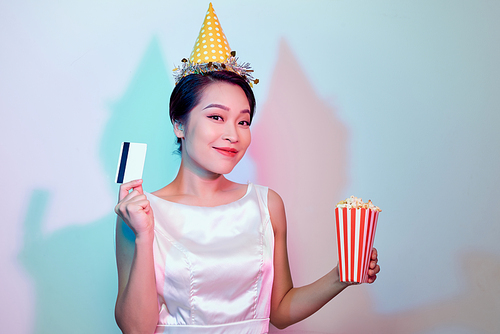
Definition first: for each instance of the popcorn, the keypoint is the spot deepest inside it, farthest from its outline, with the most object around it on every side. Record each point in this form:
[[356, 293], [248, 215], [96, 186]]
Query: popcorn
[[356, 222], [357, 203]]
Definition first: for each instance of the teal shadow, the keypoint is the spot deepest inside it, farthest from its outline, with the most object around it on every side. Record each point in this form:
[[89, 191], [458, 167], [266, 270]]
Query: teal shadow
[[73, 269], [141, 116]]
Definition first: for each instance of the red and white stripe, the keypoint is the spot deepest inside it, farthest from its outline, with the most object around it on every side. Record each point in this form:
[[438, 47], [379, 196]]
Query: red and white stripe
[[355, 235]]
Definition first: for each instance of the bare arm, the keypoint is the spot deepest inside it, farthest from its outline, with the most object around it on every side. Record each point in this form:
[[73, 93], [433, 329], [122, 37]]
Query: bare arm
[[289, 304], [136, 308]]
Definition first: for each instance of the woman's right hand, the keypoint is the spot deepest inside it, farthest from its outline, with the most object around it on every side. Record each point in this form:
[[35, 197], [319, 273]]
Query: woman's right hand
[[134, 208]]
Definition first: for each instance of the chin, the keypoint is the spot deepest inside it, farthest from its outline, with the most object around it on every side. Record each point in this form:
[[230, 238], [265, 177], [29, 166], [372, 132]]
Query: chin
[[225, 167], [224, 170]]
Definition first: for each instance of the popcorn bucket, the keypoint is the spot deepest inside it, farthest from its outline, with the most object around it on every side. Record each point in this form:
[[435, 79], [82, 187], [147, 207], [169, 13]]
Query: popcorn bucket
[[355, 234]]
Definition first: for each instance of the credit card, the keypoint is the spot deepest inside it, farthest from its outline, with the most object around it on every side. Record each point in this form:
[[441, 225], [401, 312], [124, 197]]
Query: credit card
[[131, 162]]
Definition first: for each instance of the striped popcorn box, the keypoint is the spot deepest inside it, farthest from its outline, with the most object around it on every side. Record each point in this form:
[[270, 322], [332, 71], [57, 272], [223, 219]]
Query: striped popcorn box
[[355, 234]]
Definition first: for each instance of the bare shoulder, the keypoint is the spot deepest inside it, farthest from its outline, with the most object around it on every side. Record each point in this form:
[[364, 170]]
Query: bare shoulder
[[276, 211], [274, 200]]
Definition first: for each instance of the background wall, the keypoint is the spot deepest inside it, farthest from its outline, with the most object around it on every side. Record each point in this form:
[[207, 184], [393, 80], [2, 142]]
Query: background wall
[[396, 101]]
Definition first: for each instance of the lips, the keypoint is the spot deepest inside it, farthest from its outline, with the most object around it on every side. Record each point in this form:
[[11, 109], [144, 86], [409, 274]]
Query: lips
[[227, 151]]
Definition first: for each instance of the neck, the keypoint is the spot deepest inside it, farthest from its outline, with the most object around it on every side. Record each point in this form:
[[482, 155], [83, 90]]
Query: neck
[[192, 182]]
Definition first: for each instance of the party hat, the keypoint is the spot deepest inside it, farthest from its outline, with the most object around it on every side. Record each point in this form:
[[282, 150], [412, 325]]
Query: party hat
[[211, 44], [211, 52]]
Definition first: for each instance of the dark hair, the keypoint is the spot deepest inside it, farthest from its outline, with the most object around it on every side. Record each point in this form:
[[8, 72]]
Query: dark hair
[[187, 93]]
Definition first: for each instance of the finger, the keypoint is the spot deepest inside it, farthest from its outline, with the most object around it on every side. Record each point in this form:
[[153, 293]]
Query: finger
[[372, 274], [125, 188], [142, 202], [374, 271], [374, 253], [132, 196], [131, 199], [134, 208], [139, 188], [373, 263]]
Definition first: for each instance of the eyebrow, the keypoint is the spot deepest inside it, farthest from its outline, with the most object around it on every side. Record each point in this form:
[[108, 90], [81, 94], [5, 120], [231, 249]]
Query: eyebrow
[[223, 107]]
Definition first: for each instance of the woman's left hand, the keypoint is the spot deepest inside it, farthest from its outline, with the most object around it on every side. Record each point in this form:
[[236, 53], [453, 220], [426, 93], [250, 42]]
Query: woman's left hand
[[374, 268]]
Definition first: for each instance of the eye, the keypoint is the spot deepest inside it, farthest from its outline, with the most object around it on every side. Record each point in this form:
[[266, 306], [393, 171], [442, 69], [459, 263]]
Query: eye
[[216, 117], [245, 123]]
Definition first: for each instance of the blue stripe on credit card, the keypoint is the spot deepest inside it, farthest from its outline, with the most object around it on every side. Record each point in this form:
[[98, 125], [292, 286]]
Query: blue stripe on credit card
[[123, 162]]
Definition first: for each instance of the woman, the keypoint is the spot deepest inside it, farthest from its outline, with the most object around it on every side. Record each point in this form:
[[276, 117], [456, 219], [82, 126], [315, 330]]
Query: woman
[[205, 254]]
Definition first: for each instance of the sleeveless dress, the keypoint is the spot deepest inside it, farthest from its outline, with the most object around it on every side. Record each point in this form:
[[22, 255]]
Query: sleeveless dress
[[214, 265]]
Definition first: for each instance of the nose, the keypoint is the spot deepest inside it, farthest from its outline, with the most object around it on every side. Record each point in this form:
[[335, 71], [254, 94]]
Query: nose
[[230, 133]]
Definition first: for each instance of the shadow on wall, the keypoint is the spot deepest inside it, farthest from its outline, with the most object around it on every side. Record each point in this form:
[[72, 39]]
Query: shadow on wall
[[74, 269], [300, 149], [299, 146]]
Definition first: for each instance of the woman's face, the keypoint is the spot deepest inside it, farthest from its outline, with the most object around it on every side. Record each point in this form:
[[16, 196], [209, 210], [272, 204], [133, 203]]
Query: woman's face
[[217, 133]]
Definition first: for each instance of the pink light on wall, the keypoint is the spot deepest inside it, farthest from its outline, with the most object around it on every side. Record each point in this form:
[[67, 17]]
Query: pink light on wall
[[299, 147]]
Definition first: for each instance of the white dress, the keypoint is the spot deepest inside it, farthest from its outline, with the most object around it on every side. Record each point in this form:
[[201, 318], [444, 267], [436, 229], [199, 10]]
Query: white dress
[[214, 265]]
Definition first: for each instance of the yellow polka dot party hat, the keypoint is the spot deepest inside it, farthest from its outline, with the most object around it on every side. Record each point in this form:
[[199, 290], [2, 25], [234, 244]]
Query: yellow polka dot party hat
[[211, 44], [211, 52]]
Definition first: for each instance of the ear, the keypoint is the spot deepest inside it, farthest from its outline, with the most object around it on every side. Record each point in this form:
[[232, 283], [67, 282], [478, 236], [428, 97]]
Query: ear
[[179, 129]]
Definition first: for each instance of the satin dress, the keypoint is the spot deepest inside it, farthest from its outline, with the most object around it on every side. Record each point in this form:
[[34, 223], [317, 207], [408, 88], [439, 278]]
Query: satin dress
[[214, 265]]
